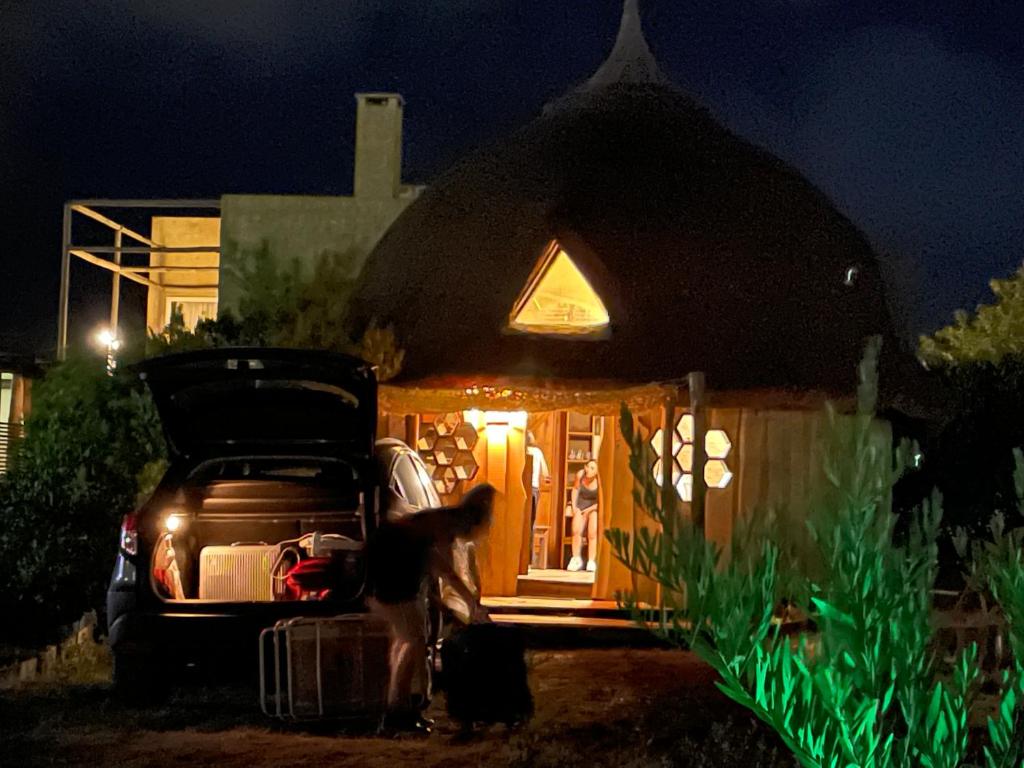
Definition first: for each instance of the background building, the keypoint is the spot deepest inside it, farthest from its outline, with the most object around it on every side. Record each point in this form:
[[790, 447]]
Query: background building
[[16, 375], [196, 253]]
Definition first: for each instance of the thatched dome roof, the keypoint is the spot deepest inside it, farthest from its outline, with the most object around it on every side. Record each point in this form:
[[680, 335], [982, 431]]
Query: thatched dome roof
[[709, 253]]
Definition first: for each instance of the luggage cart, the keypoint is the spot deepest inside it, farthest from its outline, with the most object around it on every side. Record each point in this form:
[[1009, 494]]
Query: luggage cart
[[325, 668]]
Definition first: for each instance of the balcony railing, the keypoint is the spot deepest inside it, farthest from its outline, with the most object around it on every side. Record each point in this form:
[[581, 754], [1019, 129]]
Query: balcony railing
[[8, 434]]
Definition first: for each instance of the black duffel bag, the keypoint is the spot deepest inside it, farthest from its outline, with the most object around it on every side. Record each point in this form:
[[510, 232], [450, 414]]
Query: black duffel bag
[[485, 679]]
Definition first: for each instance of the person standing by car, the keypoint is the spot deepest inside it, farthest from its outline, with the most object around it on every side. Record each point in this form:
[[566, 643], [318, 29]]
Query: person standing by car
[[409, 548]]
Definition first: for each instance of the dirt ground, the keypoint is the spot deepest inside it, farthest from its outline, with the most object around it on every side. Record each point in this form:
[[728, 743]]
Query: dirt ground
[[627, 708]]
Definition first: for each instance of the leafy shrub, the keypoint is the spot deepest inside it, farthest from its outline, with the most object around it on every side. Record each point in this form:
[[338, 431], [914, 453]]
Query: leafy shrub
[[74, 475], [867, 692]]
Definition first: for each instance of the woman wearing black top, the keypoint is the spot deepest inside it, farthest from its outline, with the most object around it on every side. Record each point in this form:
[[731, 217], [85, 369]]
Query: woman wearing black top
[[585, 495], [410, 547]]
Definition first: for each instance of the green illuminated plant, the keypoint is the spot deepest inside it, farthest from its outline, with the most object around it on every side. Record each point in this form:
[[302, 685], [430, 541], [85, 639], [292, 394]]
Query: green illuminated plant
[[866, 690]]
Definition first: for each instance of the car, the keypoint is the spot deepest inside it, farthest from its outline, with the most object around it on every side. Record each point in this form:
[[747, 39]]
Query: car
[[273, 487]]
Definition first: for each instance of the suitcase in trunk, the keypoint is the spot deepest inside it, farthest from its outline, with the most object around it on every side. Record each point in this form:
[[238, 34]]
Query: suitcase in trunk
[[485, 675], [237, 573], [325, 669]]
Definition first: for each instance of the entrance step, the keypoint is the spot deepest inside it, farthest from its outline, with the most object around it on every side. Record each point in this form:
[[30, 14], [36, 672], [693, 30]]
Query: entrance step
[[555, 583], [535, 605], [560, 622]]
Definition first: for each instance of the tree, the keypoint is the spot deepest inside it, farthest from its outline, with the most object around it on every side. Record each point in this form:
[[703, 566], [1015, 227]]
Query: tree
[[281, 307], [92, 444], [992, 333], [980, 359]]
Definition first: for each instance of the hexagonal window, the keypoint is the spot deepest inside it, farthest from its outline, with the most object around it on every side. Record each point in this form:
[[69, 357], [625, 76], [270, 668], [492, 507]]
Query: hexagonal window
[[657, 438], [444, 480], [445, 450], [465, 437], [717, 443], [465, 465], [685, 457], [676, 472], [684, 428], [717, 474], [427, 439], [684, 487], [428, 459], [450, 479], [446, 423]]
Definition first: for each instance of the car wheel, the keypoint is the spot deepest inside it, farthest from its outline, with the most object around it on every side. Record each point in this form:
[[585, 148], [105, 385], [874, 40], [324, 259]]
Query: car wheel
[[138, 679]]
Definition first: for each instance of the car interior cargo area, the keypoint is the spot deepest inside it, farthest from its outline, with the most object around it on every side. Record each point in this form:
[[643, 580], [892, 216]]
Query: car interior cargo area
[[262, 530]]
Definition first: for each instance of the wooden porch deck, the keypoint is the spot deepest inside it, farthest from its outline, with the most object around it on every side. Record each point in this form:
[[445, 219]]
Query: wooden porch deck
[[543, 611]]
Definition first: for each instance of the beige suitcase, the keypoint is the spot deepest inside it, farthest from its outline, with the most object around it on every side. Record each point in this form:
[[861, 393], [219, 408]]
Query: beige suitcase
[[237, 573]]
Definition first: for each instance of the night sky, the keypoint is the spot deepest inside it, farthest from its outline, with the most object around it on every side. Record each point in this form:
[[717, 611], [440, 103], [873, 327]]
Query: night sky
[[910, 117]]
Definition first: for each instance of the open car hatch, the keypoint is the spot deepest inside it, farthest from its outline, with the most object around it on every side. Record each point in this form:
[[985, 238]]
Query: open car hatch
[[236, 401]]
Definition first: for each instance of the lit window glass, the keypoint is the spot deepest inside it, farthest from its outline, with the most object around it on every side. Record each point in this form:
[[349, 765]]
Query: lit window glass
[[558, 299]]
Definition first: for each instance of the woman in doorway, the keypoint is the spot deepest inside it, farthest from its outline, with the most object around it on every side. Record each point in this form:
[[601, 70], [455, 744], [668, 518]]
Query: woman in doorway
[[584, 516]]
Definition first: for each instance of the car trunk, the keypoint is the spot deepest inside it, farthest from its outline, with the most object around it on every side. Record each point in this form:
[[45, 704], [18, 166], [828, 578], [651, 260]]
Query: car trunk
[[263, 530], [277, 502]]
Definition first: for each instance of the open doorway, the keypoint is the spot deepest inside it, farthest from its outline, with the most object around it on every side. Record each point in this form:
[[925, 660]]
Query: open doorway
[[562, 463]]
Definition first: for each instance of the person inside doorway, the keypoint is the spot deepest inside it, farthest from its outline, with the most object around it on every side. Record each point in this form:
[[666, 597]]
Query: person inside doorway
[[585, 494], [540, 475]]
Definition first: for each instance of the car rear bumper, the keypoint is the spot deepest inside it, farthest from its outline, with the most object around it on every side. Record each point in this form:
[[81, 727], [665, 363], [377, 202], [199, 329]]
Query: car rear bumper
[[182, 635]]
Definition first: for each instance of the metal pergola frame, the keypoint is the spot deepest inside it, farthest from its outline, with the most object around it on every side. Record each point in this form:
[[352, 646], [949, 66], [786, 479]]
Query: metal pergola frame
[[97, 255]]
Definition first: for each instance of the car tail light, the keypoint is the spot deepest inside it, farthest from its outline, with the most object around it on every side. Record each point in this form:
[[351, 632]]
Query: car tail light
[[129, 541]]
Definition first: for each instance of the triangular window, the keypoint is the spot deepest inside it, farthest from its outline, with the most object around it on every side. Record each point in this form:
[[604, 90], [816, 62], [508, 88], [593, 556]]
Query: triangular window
[[558, 299]]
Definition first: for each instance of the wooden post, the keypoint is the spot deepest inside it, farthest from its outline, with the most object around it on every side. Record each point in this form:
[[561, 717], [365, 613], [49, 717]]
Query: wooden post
[[669, 496], [65, 282], [115, 293], [412, 430], [698, 411]]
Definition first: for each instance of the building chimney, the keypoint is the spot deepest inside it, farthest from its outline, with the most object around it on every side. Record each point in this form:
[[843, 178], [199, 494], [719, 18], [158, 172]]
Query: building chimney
[[378, 170]]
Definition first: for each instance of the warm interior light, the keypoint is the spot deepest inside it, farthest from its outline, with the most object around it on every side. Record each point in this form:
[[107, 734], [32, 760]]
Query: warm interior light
[[558, 299], [717, 474], [717, 444], [684, 427], [497, 432], [685, 457], [498, 423], [173, 523], [475, 417]]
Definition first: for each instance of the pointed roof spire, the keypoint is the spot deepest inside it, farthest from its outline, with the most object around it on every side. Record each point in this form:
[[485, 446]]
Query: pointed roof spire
[[631, 60]]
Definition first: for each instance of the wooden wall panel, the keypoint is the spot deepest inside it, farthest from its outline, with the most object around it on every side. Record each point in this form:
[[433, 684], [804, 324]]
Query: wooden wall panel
[[616, 510], [502, 455], [21, 399], [545, 429], [721, 503], [781, 463], [619, 510]]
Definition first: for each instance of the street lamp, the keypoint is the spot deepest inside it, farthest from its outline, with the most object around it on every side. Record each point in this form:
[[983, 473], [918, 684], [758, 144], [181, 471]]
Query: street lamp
[[108, 343]]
